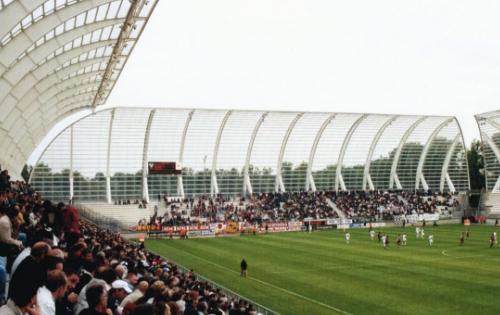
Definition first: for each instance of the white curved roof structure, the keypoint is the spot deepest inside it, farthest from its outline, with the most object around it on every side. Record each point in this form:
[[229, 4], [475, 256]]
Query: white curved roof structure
[[489, 127], [58, 57], [104, 156]]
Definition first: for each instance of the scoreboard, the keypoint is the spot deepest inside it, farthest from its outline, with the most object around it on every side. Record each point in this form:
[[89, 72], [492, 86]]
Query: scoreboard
[[166, 168]]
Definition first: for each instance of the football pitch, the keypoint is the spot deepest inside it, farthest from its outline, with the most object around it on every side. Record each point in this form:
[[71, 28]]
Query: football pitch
[[318, 273]]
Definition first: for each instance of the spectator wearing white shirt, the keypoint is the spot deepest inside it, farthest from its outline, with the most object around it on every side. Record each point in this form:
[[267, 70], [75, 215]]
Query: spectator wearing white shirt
[[54, 289]]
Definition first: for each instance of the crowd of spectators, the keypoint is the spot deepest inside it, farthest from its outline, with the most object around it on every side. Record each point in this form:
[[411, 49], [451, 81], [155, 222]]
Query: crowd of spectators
[[260, 208], [384, 205], [51, 262]]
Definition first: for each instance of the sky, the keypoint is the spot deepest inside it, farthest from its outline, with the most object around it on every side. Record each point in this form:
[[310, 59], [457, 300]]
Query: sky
[[438, 57]]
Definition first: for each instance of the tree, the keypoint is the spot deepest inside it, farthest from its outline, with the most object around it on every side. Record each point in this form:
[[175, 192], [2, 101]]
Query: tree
[[476, 165]]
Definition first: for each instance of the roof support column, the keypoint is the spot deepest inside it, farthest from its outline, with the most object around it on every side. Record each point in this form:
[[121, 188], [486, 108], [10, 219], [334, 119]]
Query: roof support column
[[133, 15], [394, 179], [421, 162], [145, 171], [445, 176], [339, 179], [310, 184], [214, 187], [247, 185], [108, 158], [367, 179], [71, 177], [180, 185], [278, 183]]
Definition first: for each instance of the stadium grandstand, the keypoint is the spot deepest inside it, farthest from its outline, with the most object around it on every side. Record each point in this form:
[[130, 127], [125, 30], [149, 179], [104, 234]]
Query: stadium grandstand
[[489, 126], [100, 225], [237, 154]]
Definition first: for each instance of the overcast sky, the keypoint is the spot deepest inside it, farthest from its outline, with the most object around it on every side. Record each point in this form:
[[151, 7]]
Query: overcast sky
[[402, 57]]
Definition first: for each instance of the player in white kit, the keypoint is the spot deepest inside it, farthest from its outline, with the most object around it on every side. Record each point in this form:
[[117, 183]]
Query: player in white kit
[[417, 231], [422, 232], [347, 237], [431, 239], [372, 234], [403, 239]]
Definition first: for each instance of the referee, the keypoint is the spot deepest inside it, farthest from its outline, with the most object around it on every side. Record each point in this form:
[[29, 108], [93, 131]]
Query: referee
[[244, 267]]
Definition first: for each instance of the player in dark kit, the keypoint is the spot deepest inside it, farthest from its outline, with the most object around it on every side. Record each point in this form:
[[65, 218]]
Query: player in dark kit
[[379, 235], [244, 267], [462, 238]]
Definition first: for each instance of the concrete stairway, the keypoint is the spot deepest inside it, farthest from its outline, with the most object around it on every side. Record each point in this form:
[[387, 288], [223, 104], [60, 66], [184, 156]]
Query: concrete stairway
[[490, 205], [128, 215], [335, 208]]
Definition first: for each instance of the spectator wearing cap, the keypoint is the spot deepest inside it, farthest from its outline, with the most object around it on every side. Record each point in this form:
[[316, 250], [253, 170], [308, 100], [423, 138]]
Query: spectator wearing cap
[[119, 291], [54, 290]]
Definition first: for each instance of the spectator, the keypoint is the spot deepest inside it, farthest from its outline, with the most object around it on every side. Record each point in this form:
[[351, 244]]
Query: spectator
[[97, 298], [21, 303], [71, 223], [4, 181], [119, 291], [136, 294], [53, 290], [31, 274]]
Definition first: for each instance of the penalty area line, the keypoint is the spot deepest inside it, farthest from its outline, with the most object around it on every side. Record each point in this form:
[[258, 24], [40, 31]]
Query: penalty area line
[[273, 286]]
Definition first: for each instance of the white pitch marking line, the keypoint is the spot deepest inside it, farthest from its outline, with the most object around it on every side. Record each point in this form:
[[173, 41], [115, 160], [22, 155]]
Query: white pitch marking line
[[459, 257], [274, 286]]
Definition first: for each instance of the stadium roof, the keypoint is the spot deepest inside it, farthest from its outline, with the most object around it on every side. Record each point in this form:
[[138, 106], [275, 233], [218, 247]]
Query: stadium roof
[[489, 126], [105, 155], [58, 57]]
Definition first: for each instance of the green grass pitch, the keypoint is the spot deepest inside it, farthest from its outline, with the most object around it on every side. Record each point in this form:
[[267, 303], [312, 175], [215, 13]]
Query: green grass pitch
[[318, 273]]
